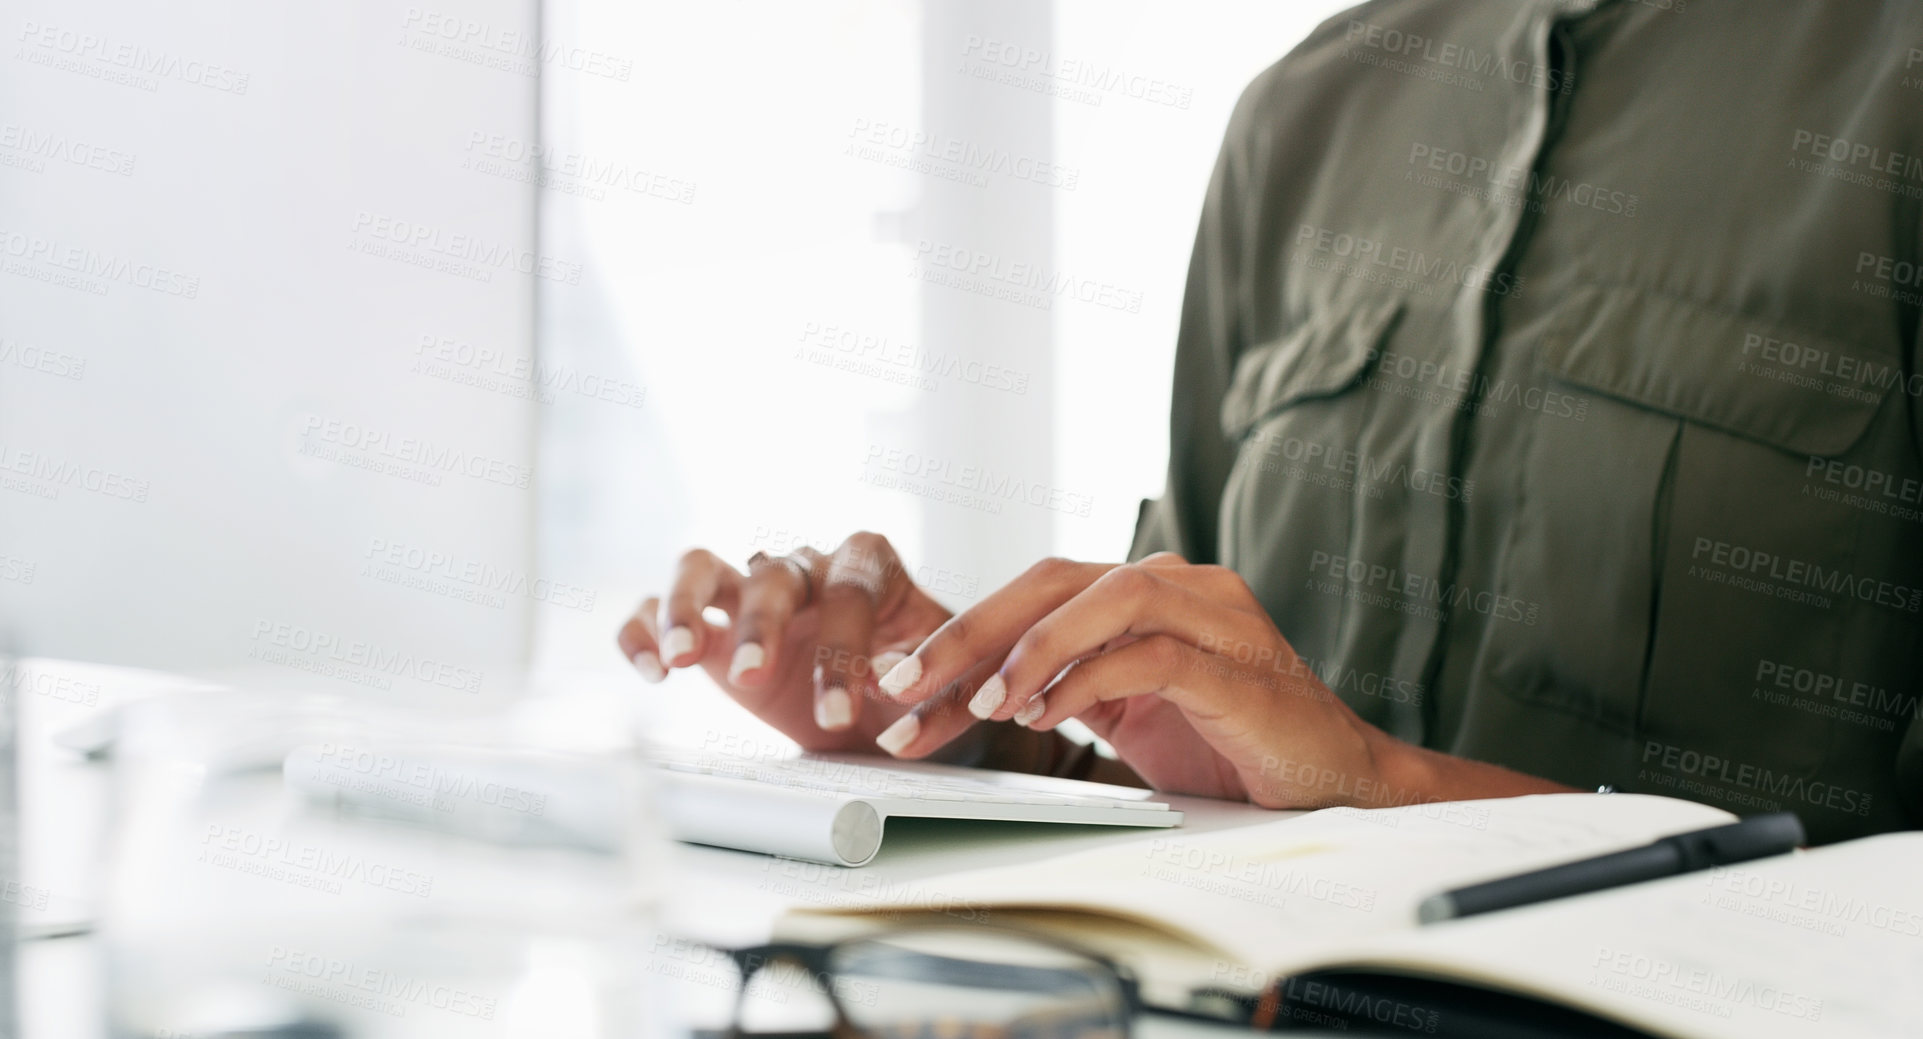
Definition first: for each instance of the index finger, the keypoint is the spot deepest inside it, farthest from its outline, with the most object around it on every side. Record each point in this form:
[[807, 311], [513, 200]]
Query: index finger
[[862, 574], [987, 629], [772, 593], [935, 721], [701, 580]]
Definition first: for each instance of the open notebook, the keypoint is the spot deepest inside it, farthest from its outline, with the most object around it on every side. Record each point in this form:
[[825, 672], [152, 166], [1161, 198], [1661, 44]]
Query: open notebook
[[1827, 942]]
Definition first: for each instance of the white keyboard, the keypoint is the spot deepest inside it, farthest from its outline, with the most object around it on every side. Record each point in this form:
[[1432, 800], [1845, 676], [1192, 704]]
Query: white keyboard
[[834, 809]]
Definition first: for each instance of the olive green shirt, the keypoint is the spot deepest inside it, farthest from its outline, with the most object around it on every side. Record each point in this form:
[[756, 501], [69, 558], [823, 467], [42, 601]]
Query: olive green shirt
[[1550, 372]]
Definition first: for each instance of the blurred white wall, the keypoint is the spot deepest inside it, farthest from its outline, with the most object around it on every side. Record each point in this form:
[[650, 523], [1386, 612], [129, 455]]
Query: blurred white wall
[[1142, 148], [734, 240], [821, 268], [272, 279], [266, 308]]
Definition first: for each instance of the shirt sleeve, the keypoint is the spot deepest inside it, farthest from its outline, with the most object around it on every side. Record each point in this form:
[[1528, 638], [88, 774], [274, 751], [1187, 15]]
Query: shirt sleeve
[[1184, 519]]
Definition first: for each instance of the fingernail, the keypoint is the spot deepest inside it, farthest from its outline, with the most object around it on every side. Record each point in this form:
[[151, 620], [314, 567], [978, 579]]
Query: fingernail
[[900, 734], [988, 697], [747, 657], [901, 676], [885, 662], [678, 641], [650, 666], [833, 709], [1027, 715]]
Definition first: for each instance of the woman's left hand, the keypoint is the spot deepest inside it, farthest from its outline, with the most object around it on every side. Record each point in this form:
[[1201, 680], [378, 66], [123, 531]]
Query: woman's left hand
[[1177, 666]]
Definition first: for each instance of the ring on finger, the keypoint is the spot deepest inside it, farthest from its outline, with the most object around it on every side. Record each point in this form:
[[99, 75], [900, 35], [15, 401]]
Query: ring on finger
[[794, 566]]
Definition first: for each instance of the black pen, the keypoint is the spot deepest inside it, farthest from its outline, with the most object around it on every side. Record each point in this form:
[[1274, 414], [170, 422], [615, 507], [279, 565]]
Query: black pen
[[1753, 838]]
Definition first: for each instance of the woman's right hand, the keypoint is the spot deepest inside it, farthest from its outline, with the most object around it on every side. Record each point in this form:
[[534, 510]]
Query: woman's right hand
[[807, 636]]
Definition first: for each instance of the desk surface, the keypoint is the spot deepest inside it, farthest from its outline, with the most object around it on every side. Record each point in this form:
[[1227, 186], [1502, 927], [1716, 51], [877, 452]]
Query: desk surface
[[708, 894]]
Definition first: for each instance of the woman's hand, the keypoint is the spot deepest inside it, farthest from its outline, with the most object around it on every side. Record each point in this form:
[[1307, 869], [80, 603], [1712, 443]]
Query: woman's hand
[[807, 634], [1176, 666]]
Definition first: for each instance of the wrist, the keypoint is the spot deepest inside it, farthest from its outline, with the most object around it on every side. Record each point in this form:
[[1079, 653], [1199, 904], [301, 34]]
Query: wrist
[[1409, 774], [1401, 773]]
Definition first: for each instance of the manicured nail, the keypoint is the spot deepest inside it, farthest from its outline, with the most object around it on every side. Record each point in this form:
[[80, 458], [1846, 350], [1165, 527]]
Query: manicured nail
[[885, 662], [1027, 715], [650, 666], [747, 657], [901, 676], [988, 697], [900, 734], [833, 709], [678, 642]]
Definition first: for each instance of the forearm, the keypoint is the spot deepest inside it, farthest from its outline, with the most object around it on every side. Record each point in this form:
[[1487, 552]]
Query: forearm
[[1404, 772], [1411, 774]]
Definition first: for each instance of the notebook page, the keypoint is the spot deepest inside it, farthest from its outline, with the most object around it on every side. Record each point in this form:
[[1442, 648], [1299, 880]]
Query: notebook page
[[1827, 942], [1276, 895]]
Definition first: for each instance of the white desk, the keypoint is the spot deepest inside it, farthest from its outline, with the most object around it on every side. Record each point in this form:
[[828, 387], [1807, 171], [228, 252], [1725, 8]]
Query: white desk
[[707, 894]]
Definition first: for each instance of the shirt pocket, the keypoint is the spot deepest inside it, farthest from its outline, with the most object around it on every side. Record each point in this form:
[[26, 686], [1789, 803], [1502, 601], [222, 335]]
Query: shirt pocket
[[1639, 529], [1319, 357], [1295, 408]]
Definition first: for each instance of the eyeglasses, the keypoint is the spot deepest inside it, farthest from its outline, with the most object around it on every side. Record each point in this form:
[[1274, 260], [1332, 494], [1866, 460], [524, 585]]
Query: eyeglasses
[[976, 982], [943, 982]]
